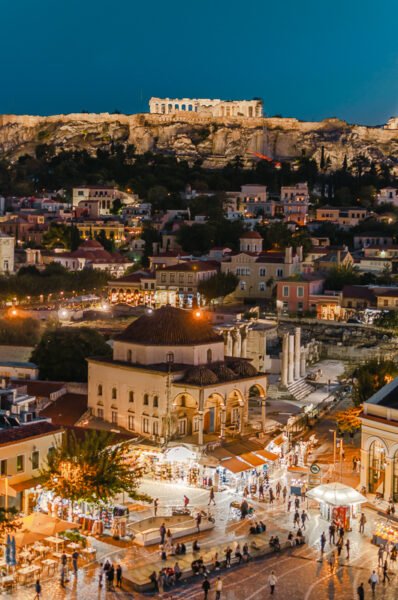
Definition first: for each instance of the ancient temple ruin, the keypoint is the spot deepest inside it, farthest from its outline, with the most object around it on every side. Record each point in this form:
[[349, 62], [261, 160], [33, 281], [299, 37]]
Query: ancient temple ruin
[[215, 107]]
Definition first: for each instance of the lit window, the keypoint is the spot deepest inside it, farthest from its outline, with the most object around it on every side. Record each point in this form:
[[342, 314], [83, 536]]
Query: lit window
[[35, 459], [145, 425], [131, 422], [20, 463]]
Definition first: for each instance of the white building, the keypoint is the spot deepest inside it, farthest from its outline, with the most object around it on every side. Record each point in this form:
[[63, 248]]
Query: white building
[[170, 379], [250, 201], [7, 248], [213, 107], [105, 195], [388, 195]]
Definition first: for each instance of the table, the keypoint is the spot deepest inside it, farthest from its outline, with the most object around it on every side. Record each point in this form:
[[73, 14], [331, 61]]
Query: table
[[7, 580], [54, 540], [49, 563], [73, 546], [59, 555], [26, 571], [41, 548], [89, 551], [25, 554]]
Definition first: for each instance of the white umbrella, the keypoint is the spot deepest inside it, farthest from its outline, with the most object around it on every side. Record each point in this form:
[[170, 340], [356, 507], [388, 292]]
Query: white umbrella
[[336, 494]]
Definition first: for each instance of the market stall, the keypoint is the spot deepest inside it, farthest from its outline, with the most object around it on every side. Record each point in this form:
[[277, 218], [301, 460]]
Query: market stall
[[385, 531], [337, 502]]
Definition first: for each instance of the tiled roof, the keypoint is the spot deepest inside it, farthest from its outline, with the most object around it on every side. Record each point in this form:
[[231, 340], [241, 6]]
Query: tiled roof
[[23, 432], [192, 266], [66, 410]]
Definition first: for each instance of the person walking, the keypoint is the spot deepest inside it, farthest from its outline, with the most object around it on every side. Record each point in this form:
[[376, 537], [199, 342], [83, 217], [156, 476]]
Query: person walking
[[155, 506], [289, 504], [186, 501], [119, 576], [218, 588], [271, 495], [304, 517], [206, 588], [37, 589], [361, 592], [373, 580], [332, 533], [261, 492], [110, 576], [347, 546], [272, 580], [385, 572], [296, 519], [362, 523], [323, 542], [198, 521], [228, 554], [380, 556], [284, 493], [278, 490], [297, 502], [339, 546], [212, 497], [162, 531], [75, 558]]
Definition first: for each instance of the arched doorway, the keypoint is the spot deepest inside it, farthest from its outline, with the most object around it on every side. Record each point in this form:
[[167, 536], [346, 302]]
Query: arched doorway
[[376, 473], [212, 414], [185, 409]]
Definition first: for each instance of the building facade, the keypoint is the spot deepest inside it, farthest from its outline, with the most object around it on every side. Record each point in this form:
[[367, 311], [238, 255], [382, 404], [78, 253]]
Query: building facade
[[213, 107], [7, 248]]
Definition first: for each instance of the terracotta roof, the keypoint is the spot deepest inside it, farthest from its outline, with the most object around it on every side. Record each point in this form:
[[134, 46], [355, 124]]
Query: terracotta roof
[[10, 435], [250, 235], [192, 266], [169, 326], [66, 410], [39, 388]]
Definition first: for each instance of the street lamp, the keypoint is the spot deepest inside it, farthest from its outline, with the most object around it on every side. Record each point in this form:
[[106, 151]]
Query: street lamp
[[334, 448]]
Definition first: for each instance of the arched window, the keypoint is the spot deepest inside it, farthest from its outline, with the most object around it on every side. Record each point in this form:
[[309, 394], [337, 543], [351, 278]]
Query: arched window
[[377, 459], [99, 391], [183, 401], [209, 355], [114, 393], [129, 356], [131, 396], [170, 357], [146, 399], [155, 402], [395, 478]]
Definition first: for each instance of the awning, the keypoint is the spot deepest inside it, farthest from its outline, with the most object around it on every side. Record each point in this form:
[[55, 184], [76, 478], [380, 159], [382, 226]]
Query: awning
[[278, 441], [267, 455], [28, 484], [252, 459], [293, 469], [235, 465]]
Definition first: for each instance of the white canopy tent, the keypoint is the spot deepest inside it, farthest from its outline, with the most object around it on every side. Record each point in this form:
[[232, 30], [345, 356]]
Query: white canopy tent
[[336, 494]]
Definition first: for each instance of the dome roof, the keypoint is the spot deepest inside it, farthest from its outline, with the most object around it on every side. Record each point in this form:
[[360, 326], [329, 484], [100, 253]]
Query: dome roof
[[243, 368], [223, 372], [201, 376], [250, 235], [91, 244], [170, 326]]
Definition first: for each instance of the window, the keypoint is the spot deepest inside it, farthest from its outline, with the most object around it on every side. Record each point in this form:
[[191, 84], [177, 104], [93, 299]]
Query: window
[[155, 402], [279, 272], [376, 472], [190, 278], [285, 291], [146, 399], [235, 415], [385, 302], [163, 278], [195, 424], [145, 425], [3, 467], [181, 278], [20, 463], [114, 393], [209, 355], [262, 286], [263, 272], [35, 459], [242, 285], [300, 292], [300, 305], [100, 413], [155, 428], [114, 417], [131, 422], [182, 426], [99, 390], [131, 396], [129, 356], [172, 278]]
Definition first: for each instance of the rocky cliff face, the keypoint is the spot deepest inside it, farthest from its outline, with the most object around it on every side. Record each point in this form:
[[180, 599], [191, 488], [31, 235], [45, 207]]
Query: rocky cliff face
[[190, 136]]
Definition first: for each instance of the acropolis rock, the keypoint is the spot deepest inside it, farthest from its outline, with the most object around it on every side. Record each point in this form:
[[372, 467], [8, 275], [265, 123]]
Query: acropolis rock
[[194, 136]]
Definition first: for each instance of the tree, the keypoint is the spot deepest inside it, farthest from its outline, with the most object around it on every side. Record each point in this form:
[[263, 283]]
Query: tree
[[218, 286], [196, 238], [9, 520], [371, 377], [107, 243], [348, 421], [340, 276], [61, 354], [91, 468]]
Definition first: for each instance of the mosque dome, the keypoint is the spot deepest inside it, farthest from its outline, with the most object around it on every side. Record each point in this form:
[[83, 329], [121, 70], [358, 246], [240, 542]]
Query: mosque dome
[[223, 372], [243, 368], [201, 376]]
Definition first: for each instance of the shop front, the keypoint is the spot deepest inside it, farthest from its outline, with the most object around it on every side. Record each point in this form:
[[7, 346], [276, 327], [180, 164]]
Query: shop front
[[338, 503], [385, 532]]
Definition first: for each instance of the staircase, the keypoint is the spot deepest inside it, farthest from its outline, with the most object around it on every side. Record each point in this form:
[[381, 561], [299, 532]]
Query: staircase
[[300, 389]]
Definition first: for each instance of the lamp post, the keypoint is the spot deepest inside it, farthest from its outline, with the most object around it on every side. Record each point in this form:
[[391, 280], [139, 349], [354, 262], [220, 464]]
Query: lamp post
[[169, 360], [334, 448]]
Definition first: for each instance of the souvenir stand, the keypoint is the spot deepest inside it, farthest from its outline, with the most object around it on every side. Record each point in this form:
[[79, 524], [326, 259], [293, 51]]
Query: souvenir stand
[[337, 502], [385, 531]]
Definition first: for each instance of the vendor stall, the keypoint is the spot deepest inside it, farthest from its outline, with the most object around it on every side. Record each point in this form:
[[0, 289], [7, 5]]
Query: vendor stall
[[337, 502], [385, 531]]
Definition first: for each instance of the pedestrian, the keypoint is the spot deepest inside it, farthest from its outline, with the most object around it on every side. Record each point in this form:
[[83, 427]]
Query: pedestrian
[[362, 523], [284, 493], [206, 587], [361, 592], [153, 578], [110, 576], [212, 497], [339, 546], [373, 580], [332, 532], [155, 506], [101, 575], [296, 519], [186, 501], [354, 465], [380, 556], [341, 531], [332, 560], [228, 554], [218, 588], [272, 580], [323, 542], [63, 575], [119, 576], [297, 502], [385, 572], [271, 495], [261, 492], [278, 490], [289, 504], [162, 531], [75, 557], [38, 589], [347, 545], [198, 520], [304, 517]]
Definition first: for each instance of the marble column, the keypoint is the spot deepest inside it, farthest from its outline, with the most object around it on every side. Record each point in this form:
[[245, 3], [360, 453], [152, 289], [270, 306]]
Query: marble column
[[235, 342], [388, 478], [241, 419], [291, 359], [222, 422], [285, 359], [200, 430], [297, 351], [364, 474], [263, 414], [303, 366], [243, 346]]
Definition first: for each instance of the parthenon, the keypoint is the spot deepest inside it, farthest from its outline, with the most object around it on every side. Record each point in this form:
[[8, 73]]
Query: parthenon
[[215, 108]]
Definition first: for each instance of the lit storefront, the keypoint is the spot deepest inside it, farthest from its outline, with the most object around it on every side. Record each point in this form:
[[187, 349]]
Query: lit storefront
[[337, 502]]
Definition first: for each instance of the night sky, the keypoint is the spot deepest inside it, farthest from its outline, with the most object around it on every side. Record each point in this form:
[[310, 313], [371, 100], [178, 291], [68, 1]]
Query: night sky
[[305, 59]]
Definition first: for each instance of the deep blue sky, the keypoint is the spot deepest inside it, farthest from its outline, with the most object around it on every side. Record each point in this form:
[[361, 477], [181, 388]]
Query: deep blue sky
[[309, 59]]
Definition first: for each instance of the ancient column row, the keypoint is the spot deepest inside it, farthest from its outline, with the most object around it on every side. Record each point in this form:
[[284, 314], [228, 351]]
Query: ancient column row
[[235, 342], [293, 363]]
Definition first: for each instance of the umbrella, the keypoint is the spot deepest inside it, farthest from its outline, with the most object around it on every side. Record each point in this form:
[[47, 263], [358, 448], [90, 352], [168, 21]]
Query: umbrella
[[8, 550], [46, 525], [13, 553]]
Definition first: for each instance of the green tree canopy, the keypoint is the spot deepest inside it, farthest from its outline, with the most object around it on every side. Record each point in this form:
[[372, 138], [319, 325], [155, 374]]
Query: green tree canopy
[[218, 286], [61, 354], [90, 468], [340, 276], [371, 377]]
